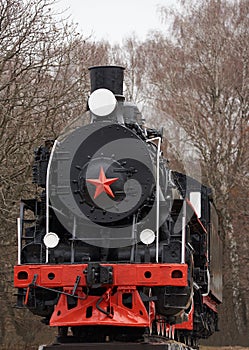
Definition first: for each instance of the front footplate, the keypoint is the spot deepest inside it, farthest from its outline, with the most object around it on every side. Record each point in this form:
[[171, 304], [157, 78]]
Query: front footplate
[[156, 344]]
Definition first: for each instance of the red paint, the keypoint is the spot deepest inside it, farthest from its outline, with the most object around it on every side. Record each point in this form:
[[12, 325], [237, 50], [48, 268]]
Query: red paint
[[102, 184], [123, 275], [189, 324], [210, 303], [198, 220], [89, 309], [86, 312]]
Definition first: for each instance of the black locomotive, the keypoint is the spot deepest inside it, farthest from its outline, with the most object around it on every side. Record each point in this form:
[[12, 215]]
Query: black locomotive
[[117, 245]]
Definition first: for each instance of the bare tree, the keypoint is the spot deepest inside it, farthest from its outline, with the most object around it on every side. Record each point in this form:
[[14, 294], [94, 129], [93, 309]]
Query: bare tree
[[131, 56], [43, 85], [199, 75]]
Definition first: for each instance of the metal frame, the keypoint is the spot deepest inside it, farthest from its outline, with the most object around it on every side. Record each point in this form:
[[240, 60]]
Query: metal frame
[[150, 275]]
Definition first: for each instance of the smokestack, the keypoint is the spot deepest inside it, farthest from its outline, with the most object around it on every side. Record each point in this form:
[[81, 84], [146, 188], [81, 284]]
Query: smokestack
[[107, 77]]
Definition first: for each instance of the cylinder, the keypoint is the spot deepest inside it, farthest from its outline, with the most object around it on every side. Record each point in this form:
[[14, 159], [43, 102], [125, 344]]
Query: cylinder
[[107, 77]]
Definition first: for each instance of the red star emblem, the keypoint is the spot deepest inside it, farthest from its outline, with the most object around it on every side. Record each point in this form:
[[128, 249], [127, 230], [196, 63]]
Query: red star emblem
[[102, 184]]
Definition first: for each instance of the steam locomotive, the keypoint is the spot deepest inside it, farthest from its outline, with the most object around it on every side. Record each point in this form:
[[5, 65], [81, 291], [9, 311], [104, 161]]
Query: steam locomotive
[[117, 246]]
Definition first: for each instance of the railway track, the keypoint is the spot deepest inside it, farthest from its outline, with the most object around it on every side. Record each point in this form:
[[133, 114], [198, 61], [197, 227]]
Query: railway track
[[155, 343]]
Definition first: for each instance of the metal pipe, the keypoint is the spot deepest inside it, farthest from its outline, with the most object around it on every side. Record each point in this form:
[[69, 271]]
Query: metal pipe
[[183, 232], [134, 233], [208, 288], [47, 192], [19, 241], [73, 239], [157, 193], [46, 255]]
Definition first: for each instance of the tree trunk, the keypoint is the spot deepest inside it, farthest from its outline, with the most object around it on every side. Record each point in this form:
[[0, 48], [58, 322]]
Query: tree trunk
[[232, 275]]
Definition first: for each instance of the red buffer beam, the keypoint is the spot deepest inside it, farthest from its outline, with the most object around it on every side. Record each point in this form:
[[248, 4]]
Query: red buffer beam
[[53, 276]]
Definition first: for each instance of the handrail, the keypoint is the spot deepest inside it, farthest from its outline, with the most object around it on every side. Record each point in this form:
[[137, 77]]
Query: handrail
[[157, 192]]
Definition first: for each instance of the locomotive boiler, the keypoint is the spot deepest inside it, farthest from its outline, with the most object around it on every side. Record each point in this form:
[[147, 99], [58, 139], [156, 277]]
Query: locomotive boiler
[[117, 246]]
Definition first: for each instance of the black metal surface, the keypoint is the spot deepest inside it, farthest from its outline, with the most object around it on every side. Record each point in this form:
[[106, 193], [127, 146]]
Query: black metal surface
[[119, 150], [41, 163], [107, 77], [187, 184], [97, 275]]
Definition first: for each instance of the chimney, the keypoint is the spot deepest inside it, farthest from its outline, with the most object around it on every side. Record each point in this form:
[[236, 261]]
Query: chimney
[[108, 77]]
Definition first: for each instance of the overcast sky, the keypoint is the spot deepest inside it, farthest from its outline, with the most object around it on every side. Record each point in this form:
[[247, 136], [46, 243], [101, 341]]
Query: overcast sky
[[113, 20]]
